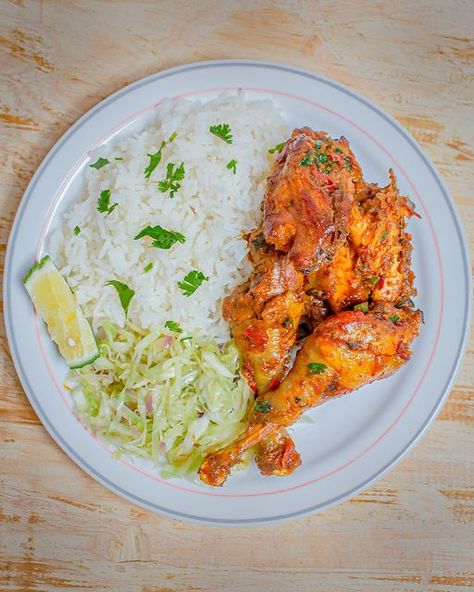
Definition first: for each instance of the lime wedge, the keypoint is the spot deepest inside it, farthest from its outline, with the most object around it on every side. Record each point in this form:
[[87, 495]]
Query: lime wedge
[[57, 306]]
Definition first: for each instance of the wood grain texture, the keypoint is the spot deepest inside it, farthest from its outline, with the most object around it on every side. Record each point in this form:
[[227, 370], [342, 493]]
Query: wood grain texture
[[59, 529]]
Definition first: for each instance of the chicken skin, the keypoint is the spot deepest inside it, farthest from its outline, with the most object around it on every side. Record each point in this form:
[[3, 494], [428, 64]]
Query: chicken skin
[[309, 197], [375, 260], [276, 454], [306, 213], [331, 278], [264, 315], [345, 352], [377, 233]]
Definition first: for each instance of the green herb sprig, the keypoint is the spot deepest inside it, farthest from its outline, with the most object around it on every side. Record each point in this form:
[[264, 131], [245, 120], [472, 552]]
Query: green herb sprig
[[222, 131], [192, 281], [276, 148], [162, 238], [172, 180], [362, 307], [232, 166], [103, 203], [173, 326], [263, 406], [99, 163], [316, 368], [125, 293], [155, 158]]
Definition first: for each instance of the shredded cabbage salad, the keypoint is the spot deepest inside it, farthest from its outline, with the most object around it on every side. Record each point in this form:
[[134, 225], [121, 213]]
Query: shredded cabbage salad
[[169, 397]]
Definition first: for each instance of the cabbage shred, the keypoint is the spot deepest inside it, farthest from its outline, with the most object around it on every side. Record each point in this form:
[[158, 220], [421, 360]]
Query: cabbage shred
[[167, 397]]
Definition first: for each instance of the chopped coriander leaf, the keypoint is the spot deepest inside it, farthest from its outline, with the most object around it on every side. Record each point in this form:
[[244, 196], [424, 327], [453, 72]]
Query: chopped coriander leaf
[[394, 318], [103, 203], [362, 307], [318, 144], [322, 157], [384, 236], [173, 177], [173, 326], [306, 161], [162, 238], [125, 293], [374, 280], [222, 131], [232, 166], [155, 160], [148, 267], [338, 150], [99, 163], [316, 368], [118, 158], [262, 406], [77, 230], [192, 281], [276, 148], [348, 161]]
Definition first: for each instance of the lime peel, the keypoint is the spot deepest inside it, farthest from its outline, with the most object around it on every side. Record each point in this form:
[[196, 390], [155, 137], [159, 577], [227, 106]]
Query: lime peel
[[57, 305]]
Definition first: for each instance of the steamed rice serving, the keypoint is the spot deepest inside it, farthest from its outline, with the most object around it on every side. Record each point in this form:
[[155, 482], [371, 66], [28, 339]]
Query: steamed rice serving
[[211, 209]]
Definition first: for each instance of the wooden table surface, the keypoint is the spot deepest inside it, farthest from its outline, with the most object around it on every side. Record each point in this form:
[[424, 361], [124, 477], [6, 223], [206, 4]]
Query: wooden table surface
[[59, 529]]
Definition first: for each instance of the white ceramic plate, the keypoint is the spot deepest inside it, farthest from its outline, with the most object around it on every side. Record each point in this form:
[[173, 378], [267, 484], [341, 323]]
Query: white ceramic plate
[[354, 440]]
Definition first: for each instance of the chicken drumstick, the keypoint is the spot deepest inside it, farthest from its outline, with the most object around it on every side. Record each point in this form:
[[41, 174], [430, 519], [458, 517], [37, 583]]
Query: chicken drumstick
[[344, 352]]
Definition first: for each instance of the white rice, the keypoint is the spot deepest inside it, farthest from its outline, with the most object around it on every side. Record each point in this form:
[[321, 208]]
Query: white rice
[[212, 208]]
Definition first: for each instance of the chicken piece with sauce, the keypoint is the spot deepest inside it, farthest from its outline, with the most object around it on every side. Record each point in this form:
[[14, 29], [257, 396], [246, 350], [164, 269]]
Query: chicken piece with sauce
[[345, 352], [264, 315], [306, 212], [329, 241], [374, 262], [309, 197]]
